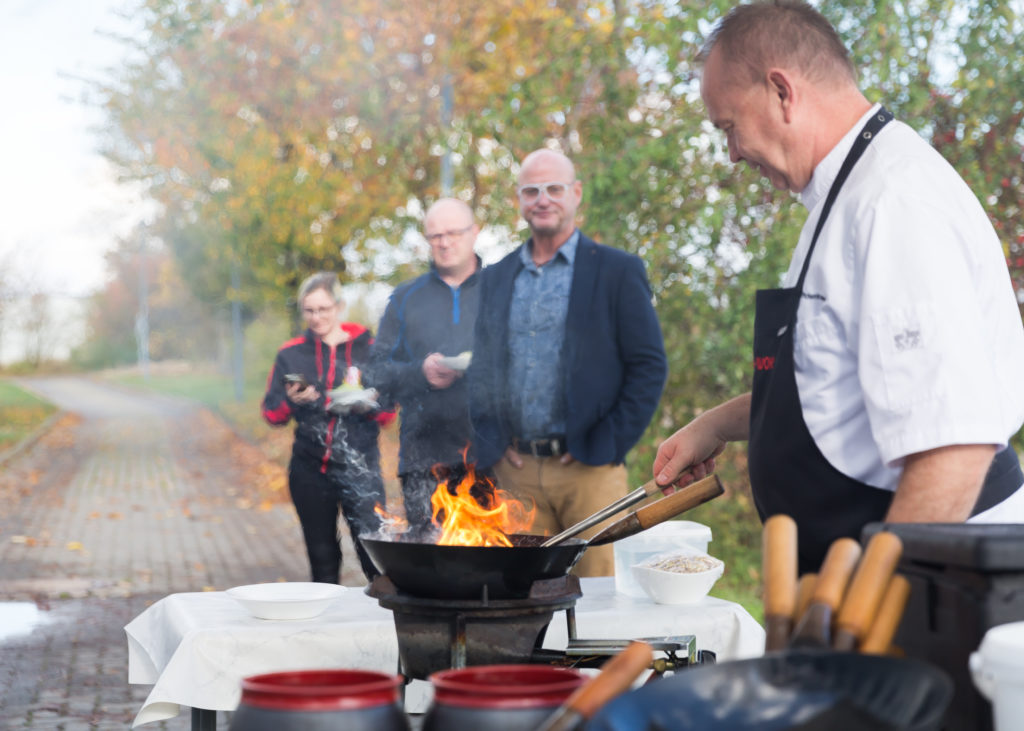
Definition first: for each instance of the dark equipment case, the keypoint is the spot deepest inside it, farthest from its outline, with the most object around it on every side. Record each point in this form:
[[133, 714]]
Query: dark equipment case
[[964, 579]]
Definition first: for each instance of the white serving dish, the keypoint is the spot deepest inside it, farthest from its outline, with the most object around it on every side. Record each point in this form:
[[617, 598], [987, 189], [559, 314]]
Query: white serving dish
[[286, 600], [667, 536], [677, 587]]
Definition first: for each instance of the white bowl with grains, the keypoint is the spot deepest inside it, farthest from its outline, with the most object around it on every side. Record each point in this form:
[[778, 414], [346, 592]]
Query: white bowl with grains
[[678, 577]]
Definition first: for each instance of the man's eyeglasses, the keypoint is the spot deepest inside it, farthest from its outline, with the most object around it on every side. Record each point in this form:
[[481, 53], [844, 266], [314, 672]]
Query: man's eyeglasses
[[438, 237], [318, 312], [554, 191]]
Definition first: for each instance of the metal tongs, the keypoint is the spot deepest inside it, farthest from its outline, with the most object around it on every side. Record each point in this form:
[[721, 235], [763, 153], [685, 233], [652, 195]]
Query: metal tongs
[[682, 500]]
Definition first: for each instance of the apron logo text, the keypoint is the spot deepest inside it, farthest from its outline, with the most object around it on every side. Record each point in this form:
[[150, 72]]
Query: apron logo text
[[764, 363]]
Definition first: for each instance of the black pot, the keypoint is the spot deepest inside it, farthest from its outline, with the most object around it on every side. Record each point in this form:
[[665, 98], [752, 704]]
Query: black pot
[[805, 690], [318, 700], [498, 697]]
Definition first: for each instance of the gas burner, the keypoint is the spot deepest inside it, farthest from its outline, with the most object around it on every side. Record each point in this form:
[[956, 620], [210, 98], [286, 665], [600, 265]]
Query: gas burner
[[438, 634]]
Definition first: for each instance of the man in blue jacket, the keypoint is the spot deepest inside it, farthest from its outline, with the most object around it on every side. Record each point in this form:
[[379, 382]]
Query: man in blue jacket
[[568, 361], [427, 325]]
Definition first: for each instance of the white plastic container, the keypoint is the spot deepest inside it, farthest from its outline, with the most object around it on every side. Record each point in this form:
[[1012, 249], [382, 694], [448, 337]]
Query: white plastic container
[[998, 671], [657, 539]]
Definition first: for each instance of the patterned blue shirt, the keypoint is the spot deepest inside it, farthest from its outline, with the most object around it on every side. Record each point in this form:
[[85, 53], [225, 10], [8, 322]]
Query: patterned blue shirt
[[536, 326]]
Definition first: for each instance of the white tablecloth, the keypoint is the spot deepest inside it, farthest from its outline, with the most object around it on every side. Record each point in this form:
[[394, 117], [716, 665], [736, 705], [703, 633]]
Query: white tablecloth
[[194, 649]]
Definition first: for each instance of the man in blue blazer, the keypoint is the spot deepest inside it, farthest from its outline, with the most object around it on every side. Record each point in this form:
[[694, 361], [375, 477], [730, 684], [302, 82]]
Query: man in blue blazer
[[568, 361]]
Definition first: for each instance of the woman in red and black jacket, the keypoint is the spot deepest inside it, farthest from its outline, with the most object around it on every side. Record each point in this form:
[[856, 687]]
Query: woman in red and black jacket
[[335, 457]]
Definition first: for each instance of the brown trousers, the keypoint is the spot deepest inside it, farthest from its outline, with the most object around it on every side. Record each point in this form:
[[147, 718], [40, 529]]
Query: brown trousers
[[564, 495]]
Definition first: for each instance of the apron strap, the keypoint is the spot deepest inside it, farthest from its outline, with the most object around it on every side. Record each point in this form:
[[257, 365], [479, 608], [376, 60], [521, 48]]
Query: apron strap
[[867, 133]]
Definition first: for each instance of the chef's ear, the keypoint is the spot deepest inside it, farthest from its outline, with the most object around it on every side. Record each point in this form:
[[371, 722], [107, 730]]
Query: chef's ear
[[783, 89]]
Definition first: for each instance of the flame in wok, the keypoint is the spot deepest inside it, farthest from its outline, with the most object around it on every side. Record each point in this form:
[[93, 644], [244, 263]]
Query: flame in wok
[[473, 511]]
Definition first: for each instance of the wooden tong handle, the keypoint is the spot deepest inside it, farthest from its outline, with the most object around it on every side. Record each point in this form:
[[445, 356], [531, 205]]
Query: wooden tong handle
[[860, 606], [683, 499], [894, 601]]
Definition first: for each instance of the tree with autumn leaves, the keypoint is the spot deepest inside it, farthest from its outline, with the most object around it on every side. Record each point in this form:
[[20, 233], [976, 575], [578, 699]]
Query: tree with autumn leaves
[[285, 136]]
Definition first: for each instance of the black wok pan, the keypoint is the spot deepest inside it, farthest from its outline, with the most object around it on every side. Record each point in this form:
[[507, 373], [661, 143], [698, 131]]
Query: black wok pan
[[809, 689], [461, 572]]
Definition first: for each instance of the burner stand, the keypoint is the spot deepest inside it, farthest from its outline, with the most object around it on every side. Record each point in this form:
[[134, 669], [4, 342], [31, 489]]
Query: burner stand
[[439, 634]]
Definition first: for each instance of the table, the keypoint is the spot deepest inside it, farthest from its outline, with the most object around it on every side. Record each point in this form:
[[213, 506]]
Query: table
[[195, 648]]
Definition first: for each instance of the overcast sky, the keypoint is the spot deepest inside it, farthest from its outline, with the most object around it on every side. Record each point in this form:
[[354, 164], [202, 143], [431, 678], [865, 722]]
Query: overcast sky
[[60, 208]]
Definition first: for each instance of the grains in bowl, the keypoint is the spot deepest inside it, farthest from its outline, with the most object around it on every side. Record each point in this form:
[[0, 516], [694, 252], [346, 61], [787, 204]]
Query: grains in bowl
[[684, 564]]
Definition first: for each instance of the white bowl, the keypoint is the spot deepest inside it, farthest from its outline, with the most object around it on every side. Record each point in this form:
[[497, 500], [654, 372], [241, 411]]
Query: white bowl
[[286, 600], [677, 587]]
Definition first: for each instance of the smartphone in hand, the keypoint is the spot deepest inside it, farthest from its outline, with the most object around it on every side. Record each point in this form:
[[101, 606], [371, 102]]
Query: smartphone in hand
[[297, 378]]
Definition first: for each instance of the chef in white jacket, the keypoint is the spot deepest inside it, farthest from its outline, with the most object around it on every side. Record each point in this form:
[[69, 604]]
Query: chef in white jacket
[[887, 368]]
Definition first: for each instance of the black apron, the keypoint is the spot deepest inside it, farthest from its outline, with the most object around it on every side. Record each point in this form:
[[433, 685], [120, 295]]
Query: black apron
[[788, 473]]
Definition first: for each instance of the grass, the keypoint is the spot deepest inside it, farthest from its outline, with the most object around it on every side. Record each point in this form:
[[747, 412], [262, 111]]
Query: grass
[[21, 413]]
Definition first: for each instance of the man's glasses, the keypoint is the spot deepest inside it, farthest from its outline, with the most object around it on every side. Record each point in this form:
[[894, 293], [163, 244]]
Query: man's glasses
[[438, 237], [554, 191], [318, 312]]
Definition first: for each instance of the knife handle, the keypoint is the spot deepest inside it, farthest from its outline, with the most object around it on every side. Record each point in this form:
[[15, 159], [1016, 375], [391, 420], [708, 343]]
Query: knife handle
[[836, 570], [894, 601], [869, 583], [779, 565]]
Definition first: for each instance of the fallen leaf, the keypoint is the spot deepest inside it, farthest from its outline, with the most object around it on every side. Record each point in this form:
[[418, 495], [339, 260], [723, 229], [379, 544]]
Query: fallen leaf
[[74, 546]]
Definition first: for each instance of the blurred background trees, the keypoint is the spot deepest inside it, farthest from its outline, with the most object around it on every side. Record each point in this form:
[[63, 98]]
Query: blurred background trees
[[285, 136]]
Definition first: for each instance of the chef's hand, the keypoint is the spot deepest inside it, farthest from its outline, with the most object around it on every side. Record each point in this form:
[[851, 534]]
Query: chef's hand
[[437, 375], [513, 458], [299, 394], [567, 458], [685, 457]]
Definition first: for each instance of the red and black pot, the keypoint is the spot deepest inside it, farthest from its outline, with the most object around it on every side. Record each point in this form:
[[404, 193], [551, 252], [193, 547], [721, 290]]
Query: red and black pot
[[318, 700], [498, 697]]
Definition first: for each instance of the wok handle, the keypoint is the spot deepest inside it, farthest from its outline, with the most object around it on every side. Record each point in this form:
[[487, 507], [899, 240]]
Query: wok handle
[[616, 676], [621, 504], [865, 594], [894, 601], [683, 499]]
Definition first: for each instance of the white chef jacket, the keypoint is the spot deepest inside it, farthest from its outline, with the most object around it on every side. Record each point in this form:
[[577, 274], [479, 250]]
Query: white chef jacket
[[908, 334]]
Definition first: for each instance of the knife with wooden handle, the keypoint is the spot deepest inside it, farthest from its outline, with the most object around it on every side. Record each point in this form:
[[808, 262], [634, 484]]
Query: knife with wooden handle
[[683, 499], [616, 676], [779, 568], [804, 595], [865, 594], [894, 601], [815, 627]]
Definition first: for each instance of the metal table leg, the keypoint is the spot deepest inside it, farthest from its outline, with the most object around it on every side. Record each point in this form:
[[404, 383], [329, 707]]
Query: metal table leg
[[204, 719]]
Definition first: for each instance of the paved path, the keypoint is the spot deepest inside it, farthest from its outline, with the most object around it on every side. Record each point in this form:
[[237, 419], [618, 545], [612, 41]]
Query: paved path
[[127, 499]]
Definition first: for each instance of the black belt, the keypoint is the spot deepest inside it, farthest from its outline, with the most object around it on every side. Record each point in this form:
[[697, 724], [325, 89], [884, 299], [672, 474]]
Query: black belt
[[547, 447]]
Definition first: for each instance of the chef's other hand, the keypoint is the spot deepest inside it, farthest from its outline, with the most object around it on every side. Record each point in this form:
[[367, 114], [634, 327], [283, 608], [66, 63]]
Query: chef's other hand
[[437, 375], [685, 457], [299, 394], [513, 458], [567, 458]]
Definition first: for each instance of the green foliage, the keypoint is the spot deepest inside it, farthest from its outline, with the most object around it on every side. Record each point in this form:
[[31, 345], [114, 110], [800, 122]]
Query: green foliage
[[281, 141], [21, 413]]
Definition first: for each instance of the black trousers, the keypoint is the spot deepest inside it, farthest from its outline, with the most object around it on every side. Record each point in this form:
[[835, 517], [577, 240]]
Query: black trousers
[[317, 498], [417, 488]]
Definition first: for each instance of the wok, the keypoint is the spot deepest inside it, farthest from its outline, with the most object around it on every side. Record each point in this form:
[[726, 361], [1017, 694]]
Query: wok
[[809, 689], [461, 572]]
